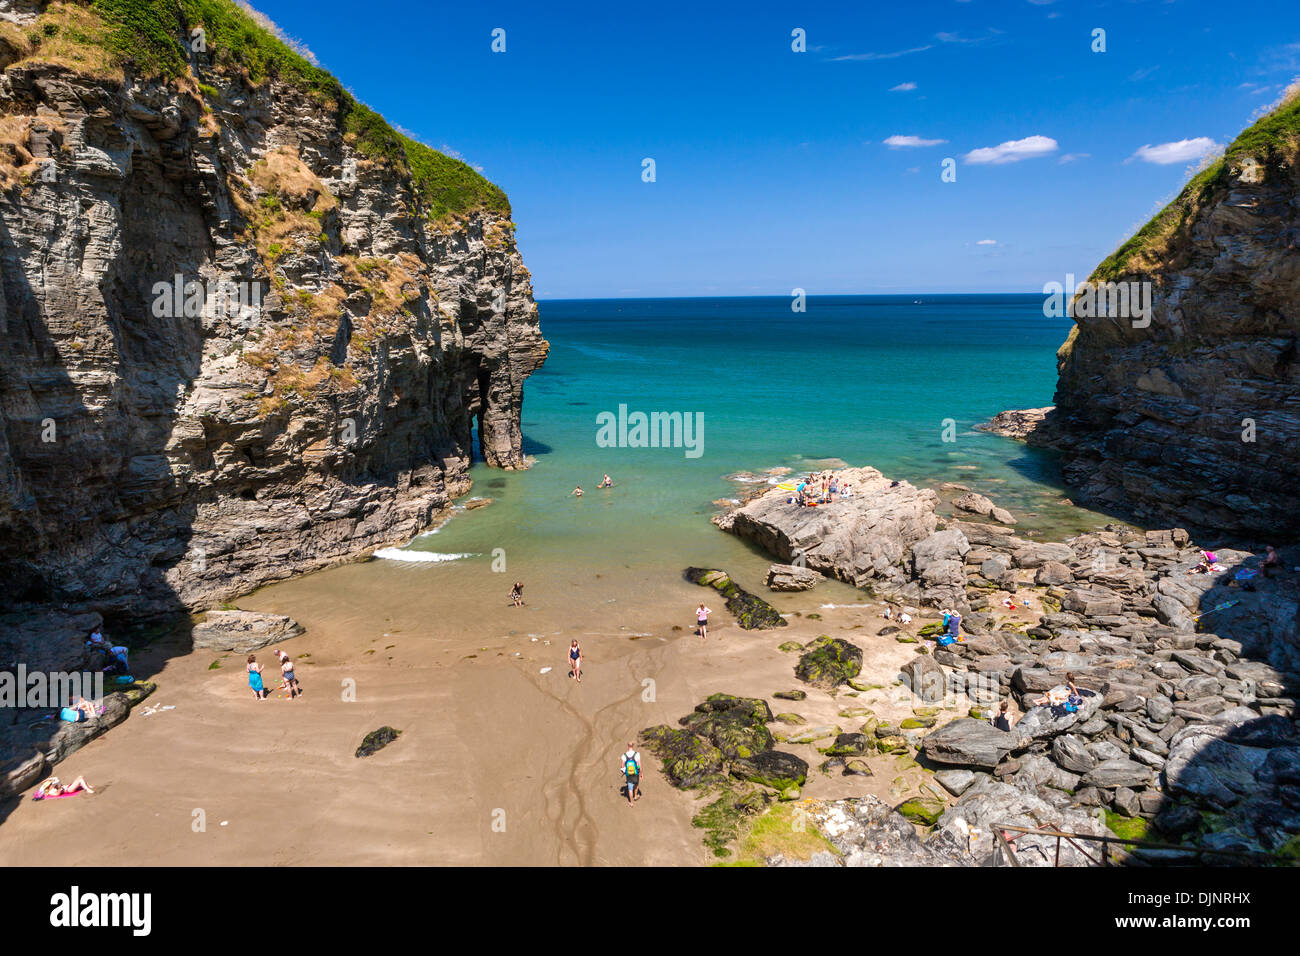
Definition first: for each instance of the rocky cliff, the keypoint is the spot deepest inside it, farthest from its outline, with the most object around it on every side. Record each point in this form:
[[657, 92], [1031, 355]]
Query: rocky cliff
[[1194, 410], [248, 329]]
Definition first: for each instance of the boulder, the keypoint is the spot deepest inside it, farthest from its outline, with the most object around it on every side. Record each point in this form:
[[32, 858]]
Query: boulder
[[377, 740], [241, 632], [849, 745], [1093, 602], [735, 725], [956, 781], [1053, 573], [859, 540], [687, 760], [791, 577], [926, 679], [829, 662], [1071, 753], [967, 742], [1205, 767], [1120, 772], [772, 768], [973, 503]]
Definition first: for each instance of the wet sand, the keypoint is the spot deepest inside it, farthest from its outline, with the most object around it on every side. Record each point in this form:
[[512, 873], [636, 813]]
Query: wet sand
[[497, 763]]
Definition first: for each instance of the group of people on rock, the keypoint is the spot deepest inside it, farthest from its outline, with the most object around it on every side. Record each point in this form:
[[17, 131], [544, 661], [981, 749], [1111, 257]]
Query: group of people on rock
[[820, 489]]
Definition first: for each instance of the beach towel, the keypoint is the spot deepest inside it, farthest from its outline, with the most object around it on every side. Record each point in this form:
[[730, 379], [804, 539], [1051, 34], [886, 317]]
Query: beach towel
[[55, 796]]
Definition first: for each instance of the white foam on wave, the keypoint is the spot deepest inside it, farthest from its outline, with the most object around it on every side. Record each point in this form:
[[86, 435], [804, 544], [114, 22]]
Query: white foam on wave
[[832, 606], [426, 557]]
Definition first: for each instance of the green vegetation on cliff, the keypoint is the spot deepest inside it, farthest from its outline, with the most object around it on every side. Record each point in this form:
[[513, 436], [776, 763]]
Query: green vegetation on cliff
[[1273, 142], [149, 37]]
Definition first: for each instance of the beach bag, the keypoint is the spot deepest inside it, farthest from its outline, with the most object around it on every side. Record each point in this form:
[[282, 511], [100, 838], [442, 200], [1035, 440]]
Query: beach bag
[[944, 640], [71, 715]]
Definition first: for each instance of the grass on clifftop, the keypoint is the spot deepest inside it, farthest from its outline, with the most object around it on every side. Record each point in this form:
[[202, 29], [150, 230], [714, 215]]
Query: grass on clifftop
[[146, 37], [1273, 141]]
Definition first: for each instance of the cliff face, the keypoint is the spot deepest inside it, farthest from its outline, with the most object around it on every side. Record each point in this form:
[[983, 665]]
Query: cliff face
[[1196, 416], [247, 330]]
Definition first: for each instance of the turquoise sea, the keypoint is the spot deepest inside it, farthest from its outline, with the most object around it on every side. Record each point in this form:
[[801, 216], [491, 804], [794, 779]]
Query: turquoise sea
[[868, 380]]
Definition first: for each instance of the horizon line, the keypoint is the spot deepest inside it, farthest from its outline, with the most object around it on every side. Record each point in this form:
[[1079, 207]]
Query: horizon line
[[769, 295]]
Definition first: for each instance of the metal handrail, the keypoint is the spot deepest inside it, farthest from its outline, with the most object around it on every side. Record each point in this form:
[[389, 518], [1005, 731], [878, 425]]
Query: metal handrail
[[1003, 844]]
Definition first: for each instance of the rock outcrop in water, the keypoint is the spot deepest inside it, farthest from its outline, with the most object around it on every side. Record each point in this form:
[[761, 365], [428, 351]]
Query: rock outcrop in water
[[1193, 412], [249, 329]]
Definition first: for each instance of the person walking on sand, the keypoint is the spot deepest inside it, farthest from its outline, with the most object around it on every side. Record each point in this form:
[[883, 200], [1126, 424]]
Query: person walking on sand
[[517, 594], [702, 620], [255, 677], [631, 765], [286, 671], [575, 661]]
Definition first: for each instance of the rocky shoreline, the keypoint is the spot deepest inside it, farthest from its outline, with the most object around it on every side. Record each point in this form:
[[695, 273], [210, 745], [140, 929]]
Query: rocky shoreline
[[1185, 731]]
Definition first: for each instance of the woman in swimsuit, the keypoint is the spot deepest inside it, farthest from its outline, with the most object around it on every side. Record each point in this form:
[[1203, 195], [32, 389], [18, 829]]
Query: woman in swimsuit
[[255, 677], [575, 661], [286, 671], [52, 788], [517, 594]]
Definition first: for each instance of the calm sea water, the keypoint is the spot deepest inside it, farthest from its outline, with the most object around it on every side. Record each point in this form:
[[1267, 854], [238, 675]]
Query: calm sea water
[[868, 380]]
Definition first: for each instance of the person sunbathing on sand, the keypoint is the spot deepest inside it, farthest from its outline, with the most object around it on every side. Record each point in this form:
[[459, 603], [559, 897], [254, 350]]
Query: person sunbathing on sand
[[52, 788]]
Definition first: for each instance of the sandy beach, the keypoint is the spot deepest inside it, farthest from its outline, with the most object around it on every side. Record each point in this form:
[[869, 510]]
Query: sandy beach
[[497, 763]]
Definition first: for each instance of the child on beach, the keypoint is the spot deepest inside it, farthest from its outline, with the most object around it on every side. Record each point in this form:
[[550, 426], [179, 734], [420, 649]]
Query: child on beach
[[255, 677], [286, 671]]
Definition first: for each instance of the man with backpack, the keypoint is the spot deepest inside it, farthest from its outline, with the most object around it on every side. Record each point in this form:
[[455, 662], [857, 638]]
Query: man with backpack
[[631, 766]]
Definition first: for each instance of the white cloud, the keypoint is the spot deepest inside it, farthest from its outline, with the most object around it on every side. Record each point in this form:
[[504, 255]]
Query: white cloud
[[883, 56], [907, 142], [1073, 157], [903, 87], [1182, 151], [1012, 151], [987, 242]]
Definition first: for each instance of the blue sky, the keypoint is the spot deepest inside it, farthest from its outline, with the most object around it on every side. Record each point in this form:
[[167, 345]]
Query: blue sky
[[775, 169]]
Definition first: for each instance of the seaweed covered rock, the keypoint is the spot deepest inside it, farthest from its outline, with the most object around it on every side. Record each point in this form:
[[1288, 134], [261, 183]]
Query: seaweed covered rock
[[735, 725], [774, 769], [688, 760], [751, 612], [829, 662], [377, 740]]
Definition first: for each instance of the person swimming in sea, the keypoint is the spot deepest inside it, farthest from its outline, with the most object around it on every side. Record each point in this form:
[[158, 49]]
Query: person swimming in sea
[[606, 482], [576, 492]]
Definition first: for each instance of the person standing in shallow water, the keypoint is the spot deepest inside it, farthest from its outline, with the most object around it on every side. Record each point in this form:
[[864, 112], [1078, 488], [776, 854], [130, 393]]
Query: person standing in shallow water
[[517, 594], [702, 620]]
